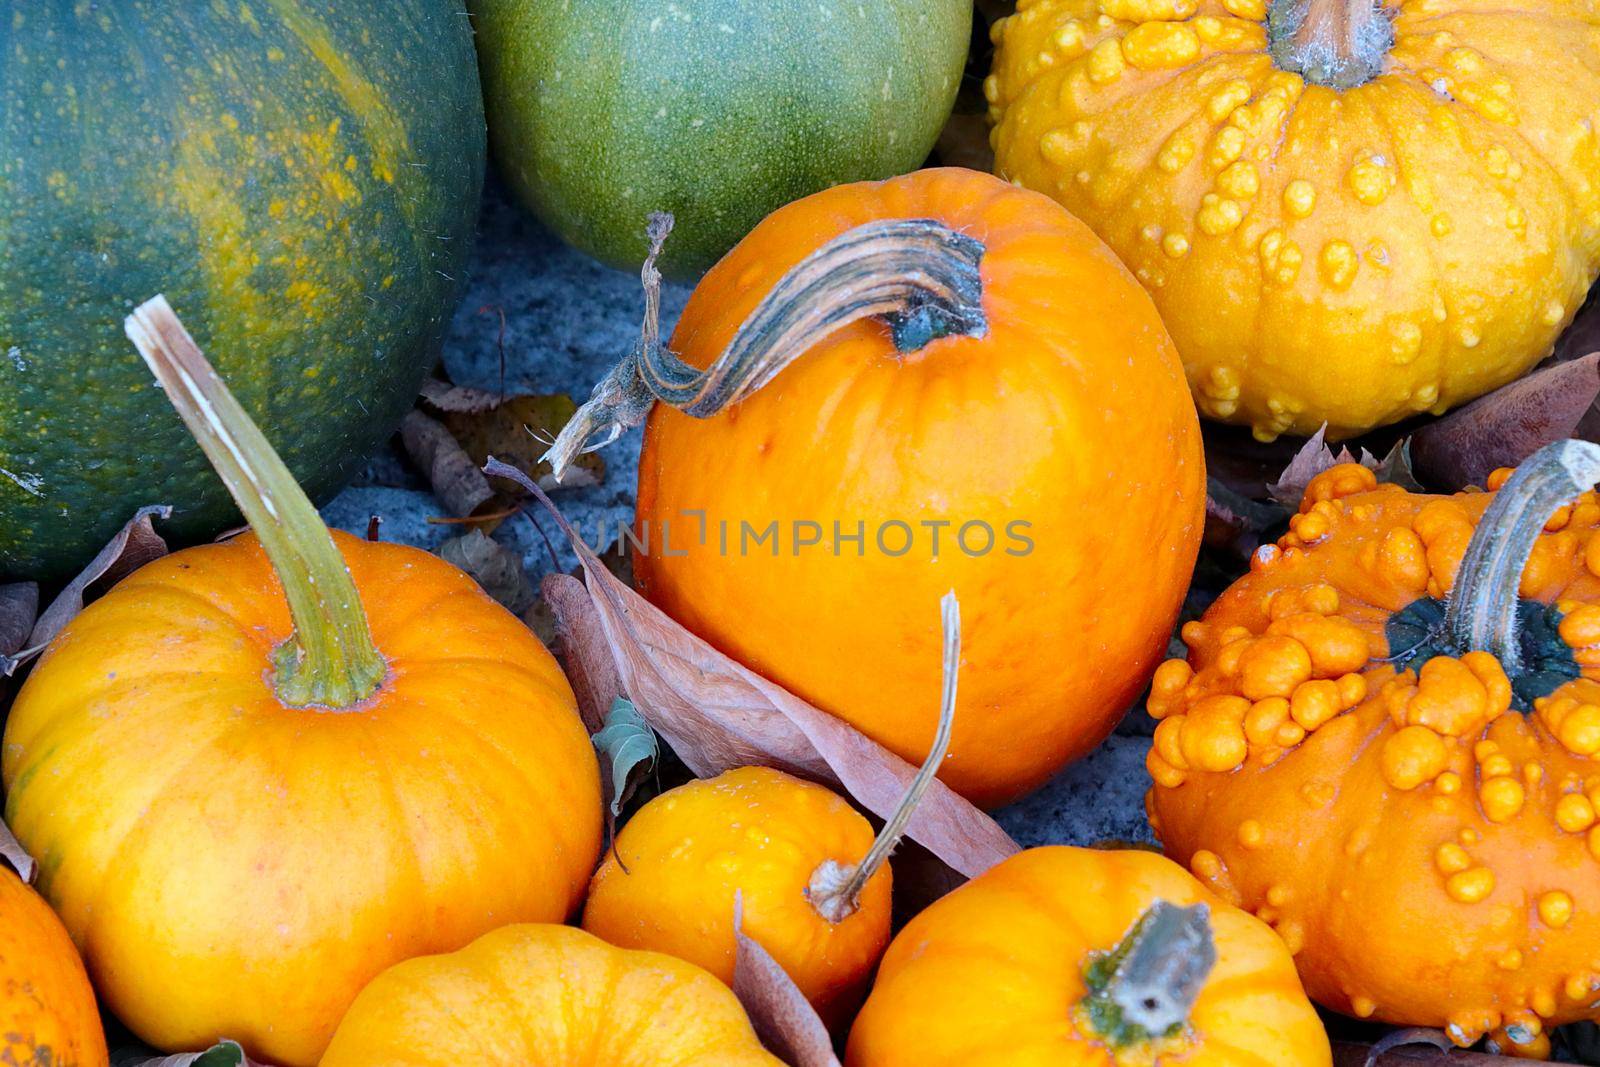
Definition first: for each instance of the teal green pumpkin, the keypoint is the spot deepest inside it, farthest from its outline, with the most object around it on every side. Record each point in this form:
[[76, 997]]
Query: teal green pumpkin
[[719, 111], [299, 177]]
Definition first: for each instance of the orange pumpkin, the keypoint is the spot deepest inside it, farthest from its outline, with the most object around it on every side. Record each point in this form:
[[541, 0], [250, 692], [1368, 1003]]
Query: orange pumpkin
[[1016, 400], [546, 995], [1347, 211], [250, 792], [1385, 743], [768, 839], [1069, 957], [47, 1010]]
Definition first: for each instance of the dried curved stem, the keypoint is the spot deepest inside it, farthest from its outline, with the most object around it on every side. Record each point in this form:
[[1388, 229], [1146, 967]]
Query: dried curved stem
[[835, 889], [330, 660], [1481, 614], [1339, 44], [918, 274]]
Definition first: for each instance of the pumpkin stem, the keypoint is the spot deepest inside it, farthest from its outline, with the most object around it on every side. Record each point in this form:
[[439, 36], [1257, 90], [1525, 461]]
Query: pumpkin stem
[[835, 889], [1483, 608], [1338, 44], [1145, 986], [330, 660], [919, 275]]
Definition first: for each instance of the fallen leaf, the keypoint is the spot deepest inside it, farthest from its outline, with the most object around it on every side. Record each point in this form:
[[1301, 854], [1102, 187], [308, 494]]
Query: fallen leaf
[[16, 856], [717, 714], [19, 610], [454, 478], [629, 748], [223, 1054], [1313, 458], [493, 566], [1508, 425], [1236, 523], [1412, 1054], [784, 1020], [136, 544], [583, 648], [1397, 468], [519, 428]]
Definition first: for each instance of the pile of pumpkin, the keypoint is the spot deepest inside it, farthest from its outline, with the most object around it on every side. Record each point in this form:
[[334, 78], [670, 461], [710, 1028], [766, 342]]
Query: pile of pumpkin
[[323, 797]]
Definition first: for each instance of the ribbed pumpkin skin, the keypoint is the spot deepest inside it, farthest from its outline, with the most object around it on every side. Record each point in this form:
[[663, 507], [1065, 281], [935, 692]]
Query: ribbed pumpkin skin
[[47, 1011], [756, 836], [231, 867], [551, 996], [299, 177], [1351, 257], [991, 975], [719, 111], [1070, 414]]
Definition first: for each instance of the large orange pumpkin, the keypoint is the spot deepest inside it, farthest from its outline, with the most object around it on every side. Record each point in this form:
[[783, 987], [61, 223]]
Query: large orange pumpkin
[[1070, 957], [1347, 211], [256, 778], [1022, 435], [551, 996], [47, 1010], [1386, 742]]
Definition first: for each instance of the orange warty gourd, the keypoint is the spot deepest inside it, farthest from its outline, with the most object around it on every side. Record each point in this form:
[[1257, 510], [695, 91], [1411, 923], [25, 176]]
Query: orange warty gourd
[[1015, 397], [1347, 212], [250, 792], [770, 839], [1070, 957], [47, 1010], [551, 996], [1384, 742]]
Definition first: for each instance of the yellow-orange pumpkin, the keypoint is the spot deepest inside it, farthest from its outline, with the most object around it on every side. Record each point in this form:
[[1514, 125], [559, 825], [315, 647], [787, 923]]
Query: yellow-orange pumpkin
[[1018, 431], [1347, 212], [253, 783], [1069, 957], [1386, 742], [549, 996], [47, 1011]]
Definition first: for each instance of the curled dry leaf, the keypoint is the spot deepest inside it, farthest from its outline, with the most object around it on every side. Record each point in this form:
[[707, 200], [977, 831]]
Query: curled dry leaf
[[1236, 523], [1510, 424], [584, 651], [782, 1016], [224, 1053], [493, 566], [15, 856], [517, 428], [630, 750], [1315, 457], [453, 477], [717, 714], [136, 544]]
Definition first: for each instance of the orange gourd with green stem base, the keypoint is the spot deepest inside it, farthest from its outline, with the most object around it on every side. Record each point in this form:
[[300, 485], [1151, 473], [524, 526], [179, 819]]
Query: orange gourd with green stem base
[[1348, 212], [551, 996], [809, 879], [1070, 957], [1385, 742], [47, 1011], [939, 356], [257, 773]]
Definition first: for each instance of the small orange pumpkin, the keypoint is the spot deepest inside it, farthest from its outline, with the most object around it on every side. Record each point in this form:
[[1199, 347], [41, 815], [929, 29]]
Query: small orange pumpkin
[[1386, 742], [47, 1010], [1070, 957], [257, 773], [832, 473], [546, 995], [1347, 211], [769, 839]]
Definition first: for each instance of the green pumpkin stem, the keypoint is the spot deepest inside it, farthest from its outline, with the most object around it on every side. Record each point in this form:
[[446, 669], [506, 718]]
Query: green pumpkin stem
[[330, 660], [835, 889], [918, 275], [1145, 987], [1482, 611], [1338, 44]]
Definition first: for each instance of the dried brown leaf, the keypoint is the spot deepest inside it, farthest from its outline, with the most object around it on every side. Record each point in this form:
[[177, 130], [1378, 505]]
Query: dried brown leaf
[[452, 475], [15, 856], [493, 566], [1407, 1054], [516, 428], [1508, 425], [136, 544], [717, 714], [1313, 458], [784, 1020], [584, 651], [19, 610]]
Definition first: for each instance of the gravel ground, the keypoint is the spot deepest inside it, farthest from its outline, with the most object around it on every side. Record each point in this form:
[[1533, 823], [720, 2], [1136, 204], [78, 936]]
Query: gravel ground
[[566, 320]]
